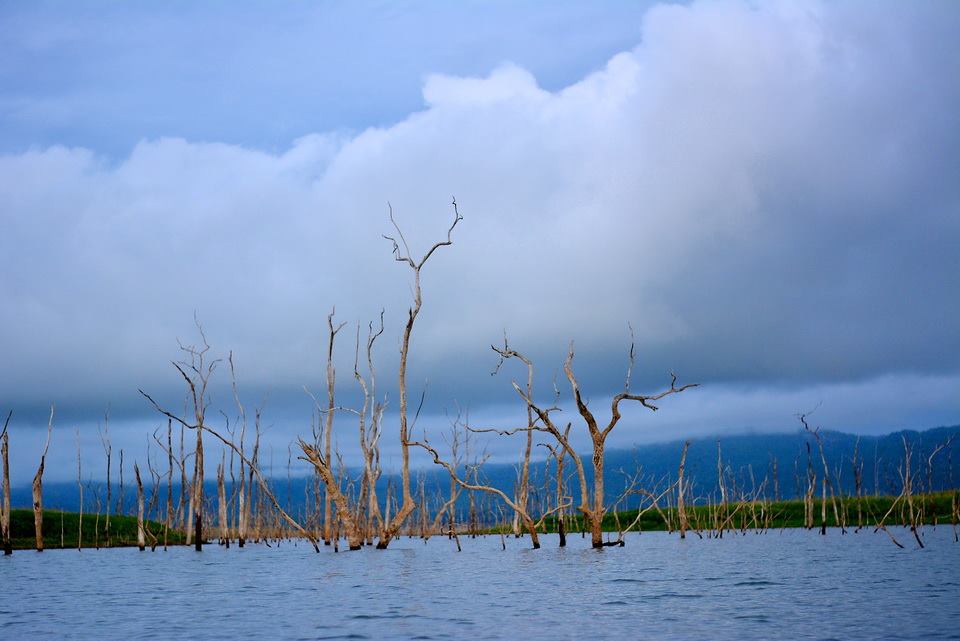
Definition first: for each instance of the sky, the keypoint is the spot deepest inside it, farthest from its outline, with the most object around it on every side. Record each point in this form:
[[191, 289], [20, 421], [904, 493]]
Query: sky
[[765, 192]]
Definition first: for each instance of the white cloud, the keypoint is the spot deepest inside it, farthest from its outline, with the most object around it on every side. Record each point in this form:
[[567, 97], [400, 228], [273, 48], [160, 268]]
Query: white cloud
[[765, 192]]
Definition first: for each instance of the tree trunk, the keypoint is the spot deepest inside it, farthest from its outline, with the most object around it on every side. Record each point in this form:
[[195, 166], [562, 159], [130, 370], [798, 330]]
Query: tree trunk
[[198, 494], [80, 486], [38, 488], [681, 510], [5, 509], [596, 513], [141, 535], [222, 501]]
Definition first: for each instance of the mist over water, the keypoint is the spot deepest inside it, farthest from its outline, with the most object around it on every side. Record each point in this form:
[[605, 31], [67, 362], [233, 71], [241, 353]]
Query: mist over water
[[793, 583]]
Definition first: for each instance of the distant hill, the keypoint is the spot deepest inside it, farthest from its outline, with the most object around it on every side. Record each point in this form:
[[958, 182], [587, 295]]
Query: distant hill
[[748, 460]]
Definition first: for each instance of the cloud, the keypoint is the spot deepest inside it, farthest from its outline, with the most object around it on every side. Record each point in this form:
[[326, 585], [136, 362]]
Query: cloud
[[765, 192]]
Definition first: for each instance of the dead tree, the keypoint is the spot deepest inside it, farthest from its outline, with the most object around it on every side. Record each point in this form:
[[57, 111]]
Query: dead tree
[[80, 487], [168, 523], [167, 448], [196, 370], [558, 454], [528, 521], [370, 435], [5, 508], [857, 463], [681, 490], [523, 485], [328, 430], [908, 490], [38, 487], [322, 459], [392, 527], [120, 488], [635, 487], [720, 520], [808, 494], [939, 448], [592, 507], [826, 482], [241, 492], [222, 503], [141, 530], [108, 452], [448, 508]]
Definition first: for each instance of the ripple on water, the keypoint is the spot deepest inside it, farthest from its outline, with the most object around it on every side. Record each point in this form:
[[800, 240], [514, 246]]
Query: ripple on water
[[430, 592]]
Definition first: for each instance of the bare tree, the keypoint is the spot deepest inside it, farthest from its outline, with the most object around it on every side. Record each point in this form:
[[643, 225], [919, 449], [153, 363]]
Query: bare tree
[[196, 370], [857, 463], [242, 509], [80, 487], [168, 523], [826, 481], [592, 507], [370, 435], [328, 430], [38, 487], [5, 508], [141, 538], [810, 490], [939, 448], [907, 477], [222, 503], [558, 454], [528, 521], [523, 485], [403, 254], [108, 452], [721, 482], [681, 491], [322, 459]]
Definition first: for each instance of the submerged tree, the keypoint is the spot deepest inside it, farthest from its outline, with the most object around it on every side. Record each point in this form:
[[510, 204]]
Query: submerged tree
[[403, 254], [593, 507], [5, 507], [38, 487]]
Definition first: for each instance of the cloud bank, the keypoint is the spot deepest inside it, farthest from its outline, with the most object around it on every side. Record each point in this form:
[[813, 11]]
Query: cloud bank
[[766, 193]]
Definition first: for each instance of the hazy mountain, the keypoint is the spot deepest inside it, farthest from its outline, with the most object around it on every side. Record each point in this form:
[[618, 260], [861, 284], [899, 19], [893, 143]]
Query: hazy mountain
[[748, 463]]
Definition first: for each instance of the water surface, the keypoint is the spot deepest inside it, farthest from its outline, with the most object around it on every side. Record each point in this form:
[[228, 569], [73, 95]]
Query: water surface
[[794, 584]]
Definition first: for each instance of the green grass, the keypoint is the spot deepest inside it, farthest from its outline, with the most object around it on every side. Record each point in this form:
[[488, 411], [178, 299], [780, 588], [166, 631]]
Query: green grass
[[60, 530], [932, 508]]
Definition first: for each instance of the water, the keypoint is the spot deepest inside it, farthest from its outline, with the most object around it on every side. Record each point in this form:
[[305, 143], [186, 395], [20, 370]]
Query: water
[[794, 584]]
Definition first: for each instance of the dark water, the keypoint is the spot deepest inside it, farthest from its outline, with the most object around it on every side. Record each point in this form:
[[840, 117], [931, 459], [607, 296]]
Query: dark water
[[795, 584]]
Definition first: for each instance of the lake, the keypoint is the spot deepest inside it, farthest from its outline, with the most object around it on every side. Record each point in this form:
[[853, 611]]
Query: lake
[[794, 584]]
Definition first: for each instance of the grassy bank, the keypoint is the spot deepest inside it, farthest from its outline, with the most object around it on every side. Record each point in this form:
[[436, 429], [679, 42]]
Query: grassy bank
[[60, 530], [934, 508]]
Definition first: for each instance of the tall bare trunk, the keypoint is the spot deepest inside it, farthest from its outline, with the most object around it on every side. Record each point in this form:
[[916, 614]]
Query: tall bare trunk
[[141, 537], [595, 515], [241, 495], [222, 504], [198, 493], [108, 451], [392, 527], [80, 486], [38, 488], [722, 508], [328, 431], [120, 488], [168, 524], [681, 490], [5, 508], [908, 491]]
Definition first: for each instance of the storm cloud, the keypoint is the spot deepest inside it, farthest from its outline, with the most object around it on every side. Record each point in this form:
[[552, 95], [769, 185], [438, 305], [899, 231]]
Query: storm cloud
[[767, 195]]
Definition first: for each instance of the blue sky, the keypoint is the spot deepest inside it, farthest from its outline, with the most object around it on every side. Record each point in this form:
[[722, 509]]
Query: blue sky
[[765, 191], [106, 75]]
